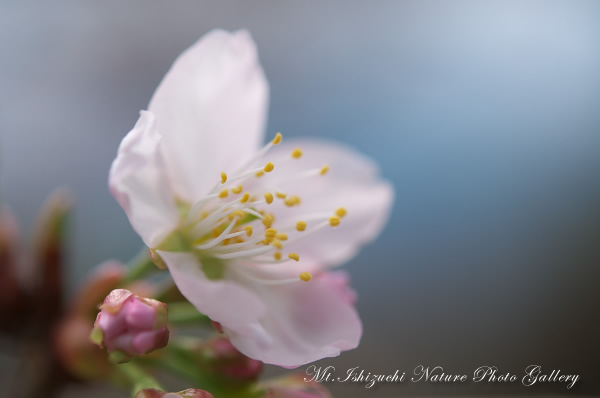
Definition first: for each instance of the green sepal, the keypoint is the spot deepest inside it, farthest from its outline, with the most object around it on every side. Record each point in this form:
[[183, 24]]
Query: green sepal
[[118, 357], [97, 336]]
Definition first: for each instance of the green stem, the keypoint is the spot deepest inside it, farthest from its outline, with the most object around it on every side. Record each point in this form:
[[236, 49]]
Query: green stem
[[181, 361], [184, 313], [137, 378], [180, 358], [139, 267]]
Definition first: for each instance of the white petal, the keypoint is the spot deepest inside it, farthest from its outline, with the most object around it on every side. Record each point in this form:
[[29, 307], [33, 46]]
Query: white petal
[[305, 321], [226, 302], [352, 182], [211, 109], [138, 181]]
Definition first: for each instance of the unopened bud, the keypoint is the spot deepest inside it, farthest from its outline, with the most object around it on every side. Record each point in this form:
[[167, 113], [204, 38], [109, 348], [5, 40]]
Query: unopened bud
[[294, 385], [77, 355], [189, 393], [13, 299], [51, 247], [222, 358], [129, 326]]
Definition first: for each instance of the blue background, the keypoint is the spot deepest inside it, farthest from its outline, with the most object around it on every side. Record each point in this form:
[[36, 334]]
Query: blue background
[[484, 115]]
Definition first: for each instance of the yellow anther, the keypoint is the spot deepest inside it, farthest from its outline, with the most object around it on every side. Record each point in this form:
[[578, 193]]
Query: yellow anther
[[334, 221], [300, 225], [292, 201], [277, 255], [294, 256], [269, 197], [269, 167], [216, 232], [277, 244], [281, 236], [204, 214], [305, 276], [260, 173], [270, 233], [239, 240], [236, 213], [324, 170], [341, 212], [253, 199], [223, 194], [297, 153], [223, 177], [277, 139], [226, 242], [268, 220], [245, 197], [237, 189], [248, 229], [280, 195], [265, 242]]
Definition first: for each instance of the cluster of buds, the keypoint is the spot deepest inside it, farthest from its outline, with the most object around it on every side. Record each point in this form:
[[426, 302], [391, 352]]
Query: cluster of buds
[[219, 357], [129, 326], [189, 393], [294, 386]]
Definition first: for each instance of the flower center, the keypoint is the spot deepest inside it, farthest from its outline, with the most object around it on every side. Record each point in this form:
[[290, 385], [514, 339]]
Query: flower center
[[236, 220]]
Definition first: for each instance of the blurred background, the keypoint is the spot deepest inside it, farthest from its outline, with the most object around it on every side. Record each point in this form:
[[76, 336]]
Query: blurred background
[[485, 115]]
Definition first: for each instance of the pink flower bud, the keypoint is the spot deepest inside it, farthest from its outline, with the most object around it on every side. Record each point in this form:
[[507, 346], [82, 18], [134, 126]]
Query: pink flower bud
[[13, 298], [222, 358], [189, 393], [51, 246], [129, 326], [294, 386]]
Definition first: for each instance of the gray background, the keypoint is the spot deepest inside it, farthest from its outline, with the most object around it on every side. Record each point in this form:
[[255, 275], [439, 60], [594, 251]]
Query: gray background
[[485, 115]]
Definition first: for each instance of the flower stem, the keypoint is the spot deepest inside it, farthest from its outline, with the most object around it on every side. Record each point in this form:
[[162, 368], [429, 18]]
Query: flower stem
[[184, 313], [137, 378], [139, 267]]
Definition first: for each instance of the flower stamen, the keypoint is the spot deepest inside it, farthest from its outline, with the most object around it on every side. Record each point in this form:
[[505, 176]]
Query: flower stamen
[[305, 276]]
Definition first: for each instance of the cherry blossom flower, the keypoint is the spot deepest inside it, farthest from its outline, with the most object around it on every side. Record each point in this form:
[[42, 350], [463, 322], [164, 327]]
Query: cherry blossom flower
[[241, 227]]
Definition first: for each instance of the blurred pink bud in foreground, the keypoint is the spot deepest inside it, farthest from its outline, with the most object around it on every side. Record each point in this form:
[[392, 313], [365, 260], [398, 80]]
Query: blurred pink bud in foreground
[[294, 386], [189, 393], [129, 326], [12, 296], [82, 359], [220, 356]]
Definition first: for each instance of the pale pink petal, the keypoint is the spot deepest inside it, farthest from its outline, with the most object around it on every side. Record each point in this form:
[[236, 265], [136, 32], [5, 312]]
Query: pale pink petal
[[122, 342], [111, 324], [224, 301], [144, 342], [139, 316], [352, 182], [340, 282], [139, 183], [211, 110], [305, 321]]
